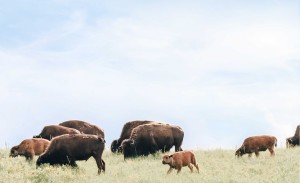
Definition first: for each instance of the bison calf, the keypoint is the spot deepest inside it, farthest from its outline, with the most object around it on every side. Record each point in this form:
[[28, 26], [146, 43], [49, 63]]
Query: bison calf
[[179, 160], [256, 144], [29, 148]]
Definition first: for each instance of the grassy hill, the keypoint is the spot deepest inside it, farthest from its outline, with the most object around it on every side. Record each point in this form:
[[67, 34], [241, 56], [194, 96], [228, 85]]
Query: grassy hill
[[215, 166]]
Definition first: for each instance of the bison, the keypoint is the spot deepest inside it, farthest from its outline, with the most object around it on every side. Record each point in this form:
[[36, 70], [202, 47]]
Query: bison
[[256, 144], [51, 131], [179, 160], [84, 127], [29, 148], [66, 149], [126, 132], [293, 141], [150, 138]]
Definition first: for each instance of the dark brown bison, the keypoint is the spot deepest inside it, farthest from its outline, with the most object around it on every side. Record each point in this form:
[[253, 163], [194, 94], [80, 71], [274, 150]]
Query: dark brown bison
[[179, 160], [29, 148], [294, 140], [67, 149], [84, 127], [256, 144], [150, 138], [126, 132], [51, 131]]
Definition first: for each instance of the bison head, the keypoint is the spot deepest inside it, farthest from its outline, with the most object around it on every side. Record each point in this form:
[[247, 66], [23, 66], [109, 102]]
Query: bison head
[[114, 146], [167, 159], [240, 152], [14, 151], [128, 148]]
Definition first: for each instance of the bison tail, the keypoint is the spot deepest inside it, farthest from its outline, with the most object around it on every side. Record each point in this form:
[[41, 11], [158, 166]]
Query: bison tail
[[275, 142]]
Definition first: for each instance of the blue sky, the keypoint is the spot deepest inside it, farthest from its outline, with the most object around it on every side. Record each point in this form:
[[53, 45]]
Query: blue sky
[[221, 70]]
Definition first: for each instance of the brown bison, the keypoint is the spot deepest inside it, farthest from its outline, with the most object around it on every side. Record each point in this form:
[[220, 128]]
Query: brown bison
[[51, 131], [84, 127], [179, 160], [293, 141], [29, 148], [126, 132], [66, 149], [256, 144], [150, 138]]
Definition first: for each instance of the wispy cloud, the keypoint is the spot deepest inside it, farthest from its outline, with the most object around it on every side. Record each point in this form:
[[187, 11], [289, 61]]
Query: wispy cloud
[[209, 69]]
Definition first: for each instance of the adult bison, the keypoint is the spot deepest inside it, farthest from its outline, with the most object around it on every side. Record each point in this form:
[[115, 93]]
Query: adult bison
[[51, 131], [66, 149], [126, 132], [150, 138], [294, 140], [256, 144], [29, 148], [84, 127]]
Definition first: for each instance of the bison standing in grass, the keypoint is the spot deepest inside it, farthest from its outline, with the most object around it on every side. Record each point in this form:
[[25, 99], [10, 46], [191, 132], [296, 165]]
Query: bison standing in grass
[[126, 132], [66, 149], [29, 148], [294, 140], [150, 138], [84, 127], [51, 131], [257, 143], [179, 160]]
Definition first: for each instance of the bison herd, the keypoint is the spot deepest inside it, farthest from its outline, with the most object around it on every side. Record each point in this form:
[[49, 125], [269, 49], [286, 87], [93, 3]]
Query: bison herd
[[73, 140]]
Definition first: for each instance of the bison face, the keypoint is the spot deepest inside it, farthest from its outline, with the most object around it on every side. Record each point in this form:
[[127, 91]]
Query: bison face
[[14, 151], [41, 160], [114, 146], [239, 153], [128, 148], [167, 159]]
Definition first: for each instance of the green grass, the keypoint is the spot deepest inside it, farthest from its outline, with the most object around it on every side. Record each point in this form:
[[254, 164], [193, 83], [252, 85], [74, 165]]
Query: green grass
[[215, 166]]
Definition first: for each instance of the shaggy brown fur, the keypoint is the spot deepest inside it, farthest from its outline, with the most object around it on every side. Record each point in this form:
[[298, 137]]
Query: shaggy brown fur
[[256, 144], [51, 131], [29, 148], [84, 127], [179, 160]]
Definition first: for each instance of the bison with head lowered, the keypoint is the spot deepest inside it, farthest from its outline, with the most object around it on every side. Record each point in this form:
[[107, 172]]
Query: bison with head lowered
[[150, 138], [66, 149]]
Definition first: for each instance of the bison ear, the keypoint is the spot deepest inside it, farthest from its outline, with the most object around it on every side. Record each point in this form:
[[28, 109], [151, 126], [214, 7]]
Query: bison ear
[[170, 156]]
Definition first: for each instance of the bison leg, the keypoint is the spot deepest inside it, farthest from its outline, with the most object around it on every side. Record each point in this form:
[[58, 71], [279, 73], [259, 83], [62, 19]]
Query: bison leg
[[256, 153], [190, 167], [170, 170], [272, 151], [100, 164], [179, 169], [250, 155], [196, 165]]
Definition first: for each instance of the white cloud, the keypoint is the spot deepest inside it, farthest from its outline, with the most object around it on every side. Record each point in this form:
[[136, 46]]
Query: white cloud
[[173, 65]]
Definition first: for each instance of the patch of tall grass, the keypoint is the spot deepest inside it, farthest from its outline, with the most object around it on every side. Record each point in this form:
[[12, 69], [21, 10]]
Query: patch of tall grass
[[215, 166]]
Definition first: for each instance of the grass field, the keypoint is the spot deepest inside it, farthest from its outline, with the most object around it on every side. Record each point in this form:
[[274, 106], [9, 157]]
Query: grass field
[[215, 166]]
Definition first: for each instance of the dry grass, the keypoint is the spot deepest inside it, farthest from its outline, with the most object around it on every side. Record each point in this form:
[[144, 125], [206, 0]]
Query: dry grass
[[215, 166]]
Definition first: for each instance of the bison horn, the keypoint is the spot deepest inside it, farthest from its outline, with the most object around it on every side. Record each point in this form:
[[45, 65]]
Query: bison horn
[[132, 143]]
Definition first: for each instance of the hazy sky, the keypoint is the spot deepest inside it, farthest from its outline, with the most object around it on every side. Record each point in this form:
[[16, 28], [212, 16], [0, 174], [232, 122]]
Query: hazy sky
[[222, 70]]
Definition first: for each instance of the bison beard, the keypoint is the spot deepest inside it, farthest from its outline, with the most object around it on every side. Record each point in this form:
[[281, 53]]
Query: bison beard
[[66, 149]]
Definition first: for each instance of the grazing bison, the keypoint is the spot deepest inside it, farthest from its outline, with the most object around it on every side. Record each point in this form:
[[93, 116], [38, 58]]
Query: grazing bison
[[51, 131], [256, 144], [126, 132], [293, 141], [150, 138], [84, 127], [29, 148], [179, 160], [66, 149]]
